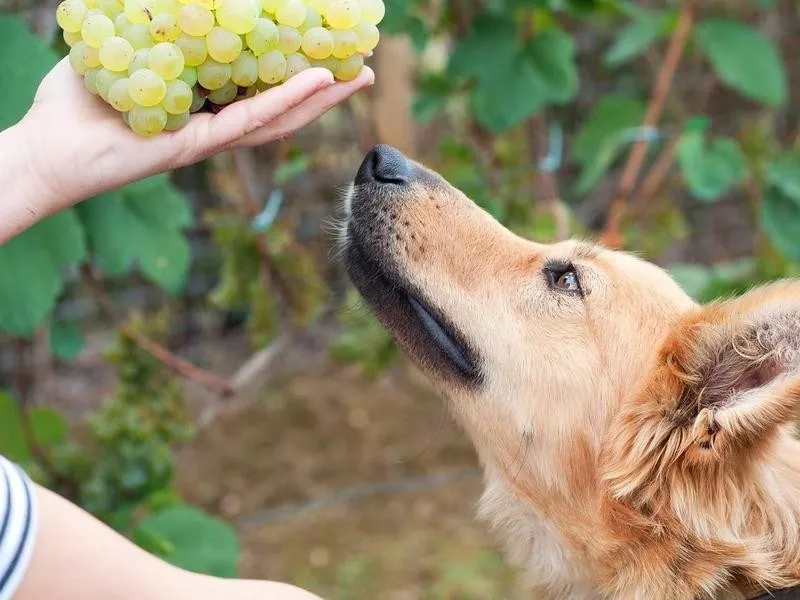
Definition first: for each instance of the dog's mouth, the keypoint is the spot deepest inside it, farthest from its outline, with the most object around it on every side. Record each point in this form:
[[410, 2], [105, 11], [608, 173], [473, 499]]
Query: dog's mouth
[[418, 327]]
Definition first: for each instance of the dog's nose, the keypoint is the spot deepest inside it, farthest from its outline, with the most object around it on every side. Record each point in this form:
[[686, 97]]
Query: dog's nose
[[384, 164]]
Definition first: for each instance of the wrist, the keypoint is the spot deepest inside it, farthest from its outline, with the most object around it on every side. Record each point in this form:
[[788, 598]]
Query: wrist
[[27, 197]]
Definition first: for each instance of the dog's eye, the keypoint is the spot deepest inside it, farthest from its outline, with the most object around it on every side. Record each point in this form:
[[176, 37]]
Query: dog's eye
[[563, 277], [568, 282]]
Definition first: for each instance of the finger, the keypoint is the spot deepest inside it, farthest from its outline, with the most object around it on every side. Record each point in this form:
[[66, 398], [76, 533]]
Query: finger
[[206, 134], [310, 110]]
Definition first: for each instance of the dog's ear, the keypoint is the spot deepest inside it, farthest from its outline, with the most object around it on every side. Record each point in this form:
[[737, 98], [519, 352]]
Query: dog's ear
[[733, 369], [727, 377]]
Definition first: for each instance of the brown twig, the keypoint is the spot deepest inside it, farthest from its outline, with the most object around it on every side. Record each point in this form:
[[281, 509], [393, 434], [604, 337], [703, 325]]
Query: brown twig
[[182, 367], [611, 235]]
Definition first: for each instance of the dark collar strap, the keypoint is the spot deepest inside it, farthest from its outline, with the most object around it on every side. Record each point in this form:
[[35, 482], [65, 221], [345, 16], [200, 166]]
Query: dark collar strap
[[787, 594]]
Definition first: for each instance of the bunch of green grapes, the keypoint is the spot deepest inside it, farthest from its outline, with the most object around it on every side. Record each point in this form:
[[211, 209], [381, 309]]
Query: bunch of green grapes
[[158, 61]]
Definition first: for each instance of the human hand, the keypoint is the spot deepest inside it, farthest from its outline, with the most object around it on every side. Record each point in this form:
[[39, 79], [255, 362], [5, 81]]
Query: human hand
[[78, 147]]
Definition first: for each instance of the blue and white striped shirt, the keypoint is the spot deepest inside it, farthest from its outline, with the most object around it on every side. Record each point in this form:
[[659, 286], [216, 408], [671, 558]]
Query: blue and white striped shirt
[[18, 523]]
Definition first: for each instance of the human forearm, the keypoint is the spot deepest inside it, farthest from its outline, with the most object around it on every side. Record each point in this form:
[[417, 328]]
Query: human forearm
[[76, 556], [24, 199]]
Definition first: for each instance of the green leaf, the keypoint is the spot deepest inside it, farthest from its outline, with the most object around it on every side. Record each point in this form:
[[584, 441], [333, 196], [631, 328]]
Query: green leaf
[[12, 439], [66, 340], [596, 167], [780, 219], [712, 169], [489, 46], [744, 59], [19, 79], [784, 173], [552, 56], [142, 223], [49, 426], [192, 540], [30, 271], [634, 40], [612, 114], [694, 279], [291, 169], [514, 94], [433, 93]]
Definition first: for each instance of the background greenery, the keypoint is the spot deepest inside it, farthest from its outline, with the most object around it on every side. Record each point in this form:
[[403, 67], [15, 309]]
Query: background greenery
[[663, 127]]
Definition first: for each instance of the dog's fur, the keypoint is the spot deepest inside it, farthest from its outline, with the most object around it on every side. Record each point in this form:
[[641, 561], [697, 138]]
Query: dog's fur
[[635, 445]]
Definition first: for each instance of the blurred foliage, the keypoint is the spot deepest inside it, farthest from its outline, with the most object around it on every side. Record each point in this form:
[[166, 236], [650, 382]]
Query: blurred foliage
[[515, 92]]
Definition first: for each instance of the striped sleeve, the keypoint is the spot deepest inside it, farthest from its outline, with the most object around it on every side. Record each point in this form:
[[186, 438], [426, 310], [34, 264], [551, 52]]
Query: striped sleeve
[[18, 522]]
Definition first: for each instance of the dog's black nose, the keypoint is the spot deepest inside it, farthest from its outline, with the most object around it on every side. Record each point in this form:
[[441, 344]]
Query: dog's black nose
[[384, 164]]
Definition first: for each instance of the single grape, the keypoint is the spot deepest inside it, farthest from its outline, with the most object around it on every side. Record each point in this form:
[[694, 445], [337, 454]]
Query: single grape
[[343, 14], [72, 37], [263, 37], [195, 20], [318, 43], [250, 92], [138, 11], [368, 37], [295, 63], [146, 87], [166, 7], [349, 68], [91, 56], [147, 120], [313, 19], [121, 24], [372, 11], [198, 101], [178, 98], [189, 76], [272, 6], [238, 16], [140, 60], [319, 6], [116, 54], [193, 48], [104, 80], [138, 34], [166, 60], [330, 63], [224, 95], [96, 29], [76, 58], [263, 86], [292, 13], [119, 97], [272, 67], [176, 122], [110, 8], [70, 15], [164, 28], [212, 75], [223, 45], [289, 39], [345, 43], [244, 70], [90, 80]]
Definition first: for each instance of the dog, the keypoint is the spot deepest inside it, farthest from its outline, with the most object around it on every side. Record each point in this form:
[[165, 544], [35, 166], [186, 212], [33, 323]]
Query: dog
[[635, 445]]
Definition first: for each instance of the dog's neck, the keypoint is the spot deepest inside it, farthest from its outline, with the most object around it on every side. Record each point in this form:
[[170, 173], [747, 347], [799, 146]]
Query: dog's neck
[[574, 541]]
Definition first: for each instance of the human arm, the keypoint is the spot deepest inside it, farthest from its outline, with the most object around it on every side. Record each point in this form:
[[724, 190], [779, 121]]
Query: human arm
[[70, 146], [76, 556]]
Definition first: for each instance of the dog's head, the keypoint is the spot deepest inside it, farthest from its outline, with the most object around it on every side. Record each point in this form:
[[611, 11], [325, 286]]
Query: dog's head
[[593, 363]]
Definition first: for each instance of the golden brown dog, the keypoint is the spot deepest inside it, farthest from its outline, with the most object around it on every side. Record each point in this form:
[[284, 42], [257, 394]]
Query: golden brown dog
[[635, 445]]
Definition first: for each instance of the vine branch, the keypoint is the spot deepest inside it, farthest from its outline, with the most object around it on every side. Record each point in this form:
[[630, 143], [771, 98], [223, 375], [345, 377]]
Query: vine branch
[[611, 235]]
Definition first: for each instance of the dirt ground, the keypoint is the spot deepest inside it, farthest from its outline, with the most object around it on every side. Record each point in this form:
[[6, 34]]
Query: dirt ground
[[353, 488]]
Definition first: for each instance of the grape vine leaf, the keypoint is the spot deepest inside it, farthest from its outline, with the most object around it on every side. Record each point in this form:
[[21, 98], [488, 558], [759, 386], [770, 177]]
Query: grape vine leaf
[[634, 39], [30, 271], [48, 426], [784, 173], [780, 219], [710, 169], [141, 223], [66, 340], [192, 540], [612, 113], [744, 59]]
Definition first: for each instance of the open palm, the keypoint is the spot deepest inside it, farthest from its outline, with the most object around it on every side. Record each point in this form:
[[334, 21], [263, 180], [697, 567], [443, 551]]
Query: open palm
[[80, 146]]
